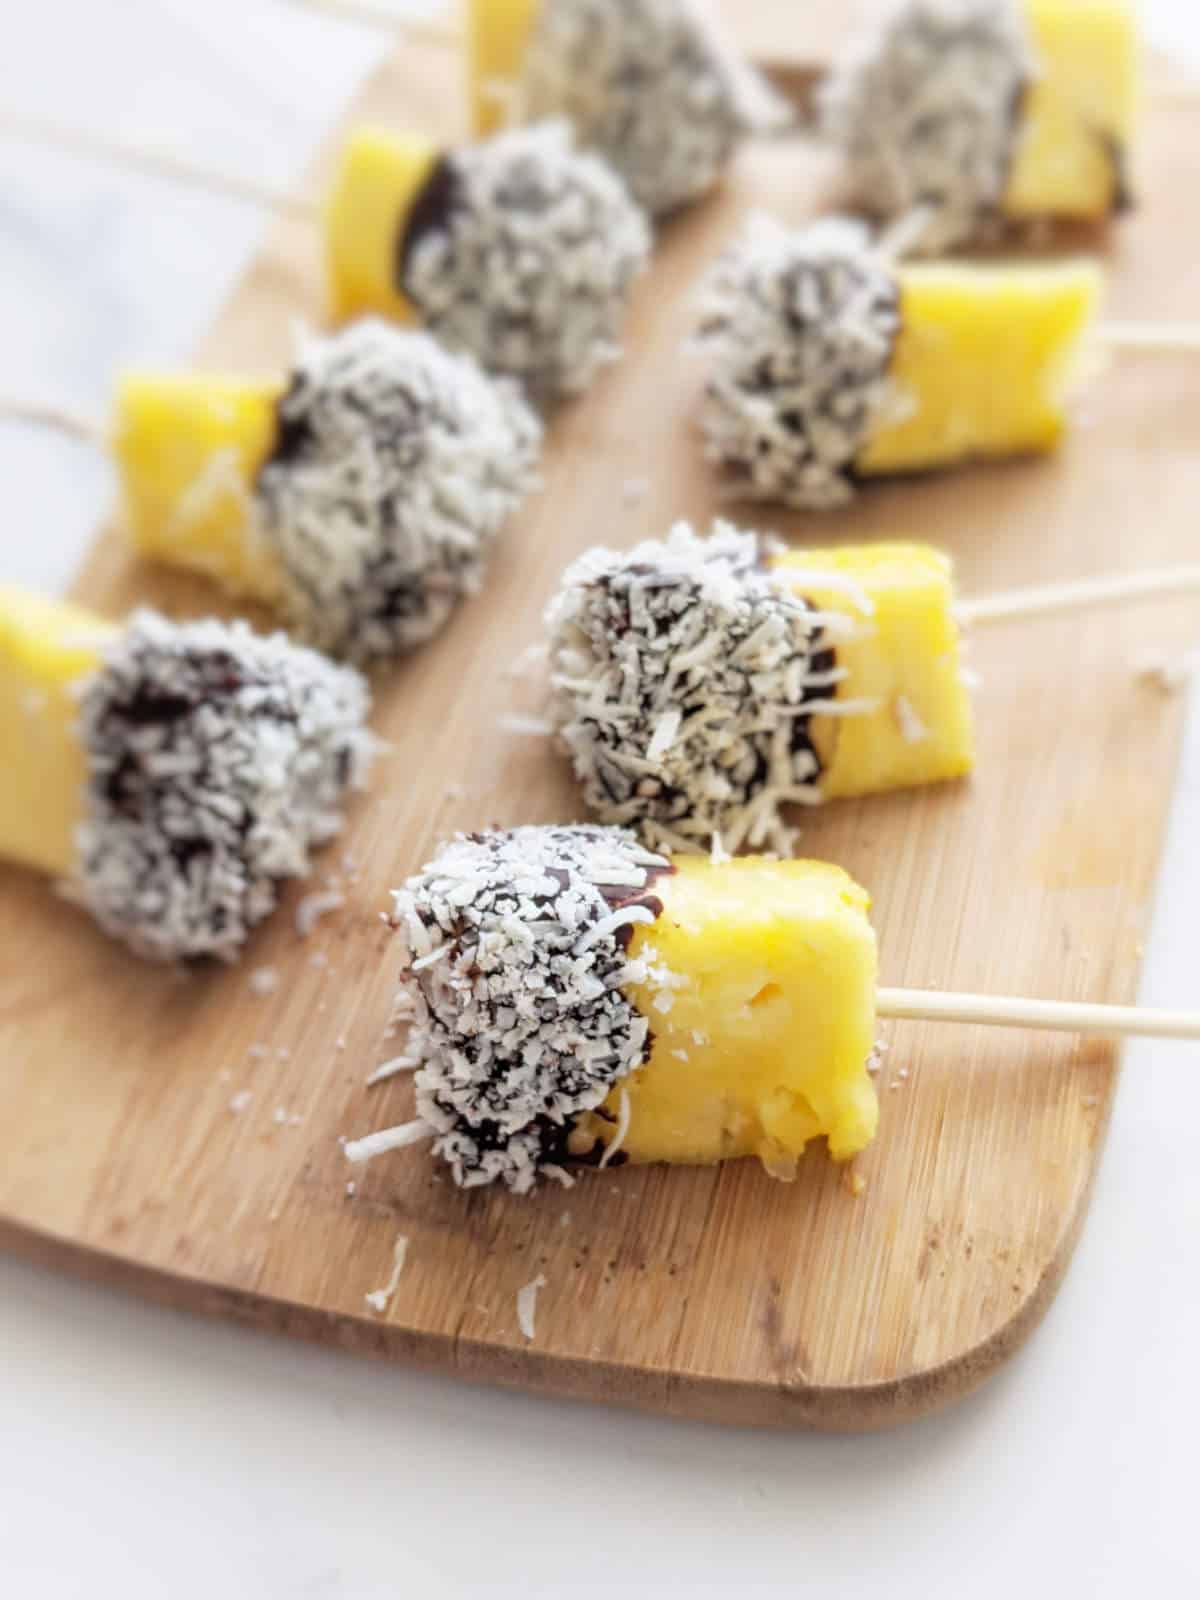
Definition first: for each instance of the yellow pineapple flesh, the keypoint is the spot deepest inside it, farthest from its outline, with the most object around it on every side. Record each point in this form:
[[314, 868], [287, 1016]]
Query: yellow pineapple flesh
[[379, 179], [1078, 117], [46, 648], [497, 34], [905, 656], [986, 361], [188, 448], [761, 1003]]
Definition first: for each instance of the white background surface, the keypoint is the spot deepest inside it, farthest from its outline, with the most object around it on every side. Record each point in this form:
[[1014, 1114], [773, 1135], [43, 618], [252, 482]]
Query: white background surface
[[145, 1454]]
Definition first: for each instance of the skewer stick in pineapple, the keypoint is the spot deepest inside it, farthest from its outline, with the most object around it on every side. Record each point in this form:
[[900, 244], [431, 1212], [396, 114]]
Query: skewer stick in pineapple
[[648, 1009], [172, 774]]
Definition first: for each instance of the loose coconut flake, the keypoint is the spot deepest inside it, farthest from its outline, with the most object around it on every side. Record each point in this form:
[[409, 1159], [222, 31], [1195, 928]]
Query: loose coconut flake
[[925, 112], [684, 677], [397, 465], [314, 906], [380, 1299], [651, 87], [217, 760], [798, 327], [529, 264], [527, 1306]]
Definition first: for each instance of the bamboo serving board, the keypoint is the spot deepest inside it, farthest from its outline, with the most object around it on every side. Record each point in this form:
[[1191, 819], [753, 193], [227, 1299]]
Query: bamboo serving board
[[708, 1293]]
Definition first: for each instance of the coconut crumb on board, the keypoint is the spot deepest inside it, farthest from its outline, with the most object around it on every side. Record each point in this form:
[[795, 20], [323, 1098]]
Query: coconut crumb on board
[[527, 1306], [535, 727], [314, 906], [380, 1299], [240, 1101], [393, 1069], [532, 659], [624, 1112], [263, 981]]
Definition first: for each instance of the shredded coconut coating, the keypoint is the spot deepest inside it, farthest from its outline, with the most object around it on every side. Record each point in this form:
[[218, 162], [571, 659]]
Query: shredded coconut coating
[[529, 266], [396, 467], [681, 671], [649, 86], [925, 112], [216, 761], [513, 976], [798, 329]]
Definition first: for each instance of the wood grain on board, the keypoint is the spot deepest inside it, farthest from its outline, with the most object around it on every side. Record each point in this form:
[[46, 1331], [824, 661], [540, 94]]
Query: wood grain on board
[[711, 1293]]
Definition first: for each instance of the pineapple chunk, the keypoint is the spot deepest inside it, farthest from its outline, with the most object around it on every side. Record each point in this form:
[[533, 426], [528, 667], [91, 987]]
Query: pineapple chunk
[[770, 1017], [985, 362], [46, 647], [378, 182], [1079, 115], [497, 34], [188, 449], [906, 656]]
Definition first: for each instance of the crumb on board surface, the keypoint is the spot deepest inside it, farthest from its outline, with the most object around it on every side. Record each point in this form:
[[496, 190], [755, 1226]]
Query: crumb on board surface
[[379, 1299], [527, 1299]]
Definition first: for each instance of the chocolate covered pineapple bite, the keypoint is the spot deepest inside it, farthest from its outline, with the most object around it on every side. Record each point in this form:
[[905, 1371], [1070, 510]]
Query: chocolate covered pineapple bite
[[173, 774], [969, 114], [361, 498], [649, 85], [703, 686], [520, 250], [572, 996], [827, 363]]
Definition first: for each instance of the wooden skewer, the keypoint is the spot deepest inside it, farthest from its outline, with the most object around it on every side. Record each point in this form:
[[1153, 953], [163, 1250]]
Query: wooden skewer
[[422, 30], [154, 163], [1151, 337], [1054, 1016], [52, 419], [1079, 596]]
